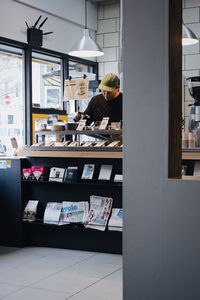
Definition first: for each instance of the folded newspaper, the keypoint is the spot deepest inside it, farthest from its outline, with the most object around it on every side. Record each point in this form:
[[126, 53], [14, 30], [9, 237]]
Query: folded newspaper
[[116, 220], [100, 208], [52, 213], [73, 212]]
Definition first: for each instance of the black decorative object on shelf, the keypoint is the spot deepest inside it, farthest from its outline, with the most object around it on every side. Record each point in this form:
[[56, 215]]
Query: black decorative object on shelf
[[35, 35]]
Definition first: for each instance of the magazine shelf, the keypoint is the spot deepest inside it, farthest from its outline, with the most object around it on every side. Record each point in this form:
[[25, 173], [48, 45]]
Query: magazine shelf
[[16, 192]]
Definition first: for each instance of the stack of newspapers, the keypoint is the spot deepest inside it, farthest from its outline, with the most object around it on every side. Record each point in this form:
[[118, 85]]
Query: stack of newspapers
[[116, 220]]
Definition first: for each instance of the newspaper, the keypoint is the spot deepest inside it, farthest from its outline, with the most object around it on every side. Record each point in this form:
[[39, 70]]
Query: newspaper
[[116, 220], [73, 212], [100, 208], [52, 213]]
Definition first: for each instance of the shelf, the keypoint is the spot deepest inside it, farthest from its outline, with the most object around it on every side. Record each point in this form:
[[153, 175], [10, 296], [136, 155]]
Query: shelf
[[79, 153], [77, 132], [82, 182], [191, 154], [71, 226], [188, 177]]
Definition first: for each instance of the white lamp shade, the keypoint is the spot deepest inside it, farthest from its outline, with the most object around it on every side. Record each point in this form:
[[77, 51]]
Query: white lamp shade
[[188, 37], [86, 47]]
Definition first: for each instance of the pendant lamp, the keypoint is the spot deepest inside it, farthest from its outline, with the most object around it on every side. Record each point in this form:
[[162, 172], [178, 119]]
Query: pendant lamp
[[188, 36], [86, 46]]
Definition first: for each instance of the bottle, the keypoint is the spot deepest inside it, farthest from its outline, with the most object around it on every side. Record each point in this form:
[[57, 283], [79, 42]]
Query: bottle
[[184, 139], [191, 140]]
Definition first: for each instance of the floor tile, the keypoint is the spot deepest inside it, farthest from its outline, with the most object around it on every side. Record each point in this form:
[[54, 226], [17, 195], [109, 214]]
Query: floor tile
[[105, 290], [6, 289], [82, 297], [96, 270], [33, 294], [65, 283], [103, 258], [116, 276]]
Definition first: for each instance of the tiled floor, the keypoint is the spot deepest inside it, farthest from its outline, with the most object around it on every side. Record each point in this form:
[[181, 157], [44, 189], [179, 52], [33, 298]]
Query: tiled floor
[[57, 274]]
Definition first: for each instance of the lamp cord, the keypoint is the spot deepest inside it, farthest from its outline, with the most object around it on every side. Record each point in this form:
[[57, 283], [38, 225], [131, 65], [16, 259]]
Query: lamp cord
[[86, 14]]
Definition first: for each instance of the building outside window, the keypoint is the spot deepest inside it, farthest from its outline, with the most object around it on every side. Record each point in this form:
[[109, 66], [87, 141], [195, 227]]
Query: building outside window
[[11, 95], [46, 81]]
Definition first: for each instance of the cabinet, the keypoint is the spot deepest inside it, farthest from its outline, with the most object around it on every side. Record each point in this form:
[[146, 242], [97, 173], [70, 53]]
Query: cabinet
[[11, 229], [67, 236]]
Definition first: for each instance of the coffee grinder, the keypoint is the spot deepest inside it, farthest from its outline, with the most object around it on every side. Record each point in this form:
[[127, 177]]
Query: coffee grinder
[[194, 118]]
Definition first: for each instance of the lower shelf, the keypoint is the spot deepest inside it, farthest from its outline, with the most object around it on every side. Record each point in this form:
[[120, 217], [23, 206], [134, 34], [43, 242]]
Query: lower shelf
[[71, 237]]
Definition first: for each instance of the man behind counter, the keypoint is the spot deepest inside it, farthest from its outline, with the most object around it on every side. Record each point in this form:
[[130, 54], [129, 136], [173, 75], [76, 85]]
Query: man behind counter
[[106, 104]]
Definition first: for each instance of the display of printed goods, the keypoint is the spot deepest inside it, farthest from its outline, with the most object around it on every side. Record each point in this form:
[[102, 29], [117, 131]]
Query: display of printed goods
[[39, 172], [27, 173]]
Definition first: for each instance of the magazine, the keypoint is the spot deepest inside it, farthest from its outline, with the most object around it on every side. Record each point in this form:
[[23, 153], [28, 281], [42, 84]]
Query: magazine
[[100, 208], [116, 219], [88, 171], [71, 174], [56, 174], [30, 211], [52, 213], [73, 212], [105, 172]]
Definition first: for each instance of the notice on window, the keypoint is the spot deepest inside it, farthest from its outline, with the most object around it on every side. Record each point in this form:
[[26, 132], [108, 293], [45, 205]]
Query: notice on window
[[76, 89]]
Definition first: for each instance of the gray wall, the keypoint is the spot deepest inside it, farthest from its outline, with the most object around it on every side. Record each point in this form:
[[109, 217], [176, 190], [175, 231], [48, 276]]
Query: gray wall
[[66, 19], [162, 216]]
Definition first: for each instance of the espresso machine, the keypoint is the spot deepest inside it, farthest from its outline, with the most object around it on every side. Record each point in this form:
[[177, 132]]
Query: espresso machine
[[194, 118]]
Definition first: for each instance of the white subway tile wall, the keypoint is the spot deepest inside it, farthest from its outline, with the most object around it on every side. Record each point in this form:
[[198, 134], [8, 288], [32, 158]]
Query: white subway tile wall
[[108, 36], [191, 54]]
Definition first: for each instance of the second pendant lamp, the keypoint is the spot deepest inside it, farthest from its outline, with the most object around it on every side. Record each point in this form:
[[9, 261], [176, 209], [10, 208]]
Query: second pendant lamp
[[86, 46], [188, 36]]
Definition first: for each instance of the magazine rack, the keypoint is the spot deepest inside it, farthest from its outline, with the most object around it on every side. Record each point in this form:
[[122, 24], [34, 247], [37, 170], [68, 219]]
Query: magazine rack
[[19, 233]]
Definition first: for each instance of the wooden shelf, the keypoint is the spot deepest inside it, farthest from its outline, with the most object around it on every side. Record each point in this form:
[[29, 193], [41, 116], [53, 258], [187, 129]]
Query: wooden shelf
[[69, 154], [189, 155]]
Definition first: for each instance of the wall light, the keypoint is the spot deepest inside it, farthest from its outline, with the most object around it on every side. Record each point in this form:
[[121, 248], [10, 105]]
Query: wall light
[[188, 36], [86, 46]]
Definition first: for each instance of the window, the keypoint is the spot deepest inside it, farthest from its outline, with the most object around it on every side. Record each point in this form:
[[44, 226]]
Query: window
[[46, 81], [11, 95]]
